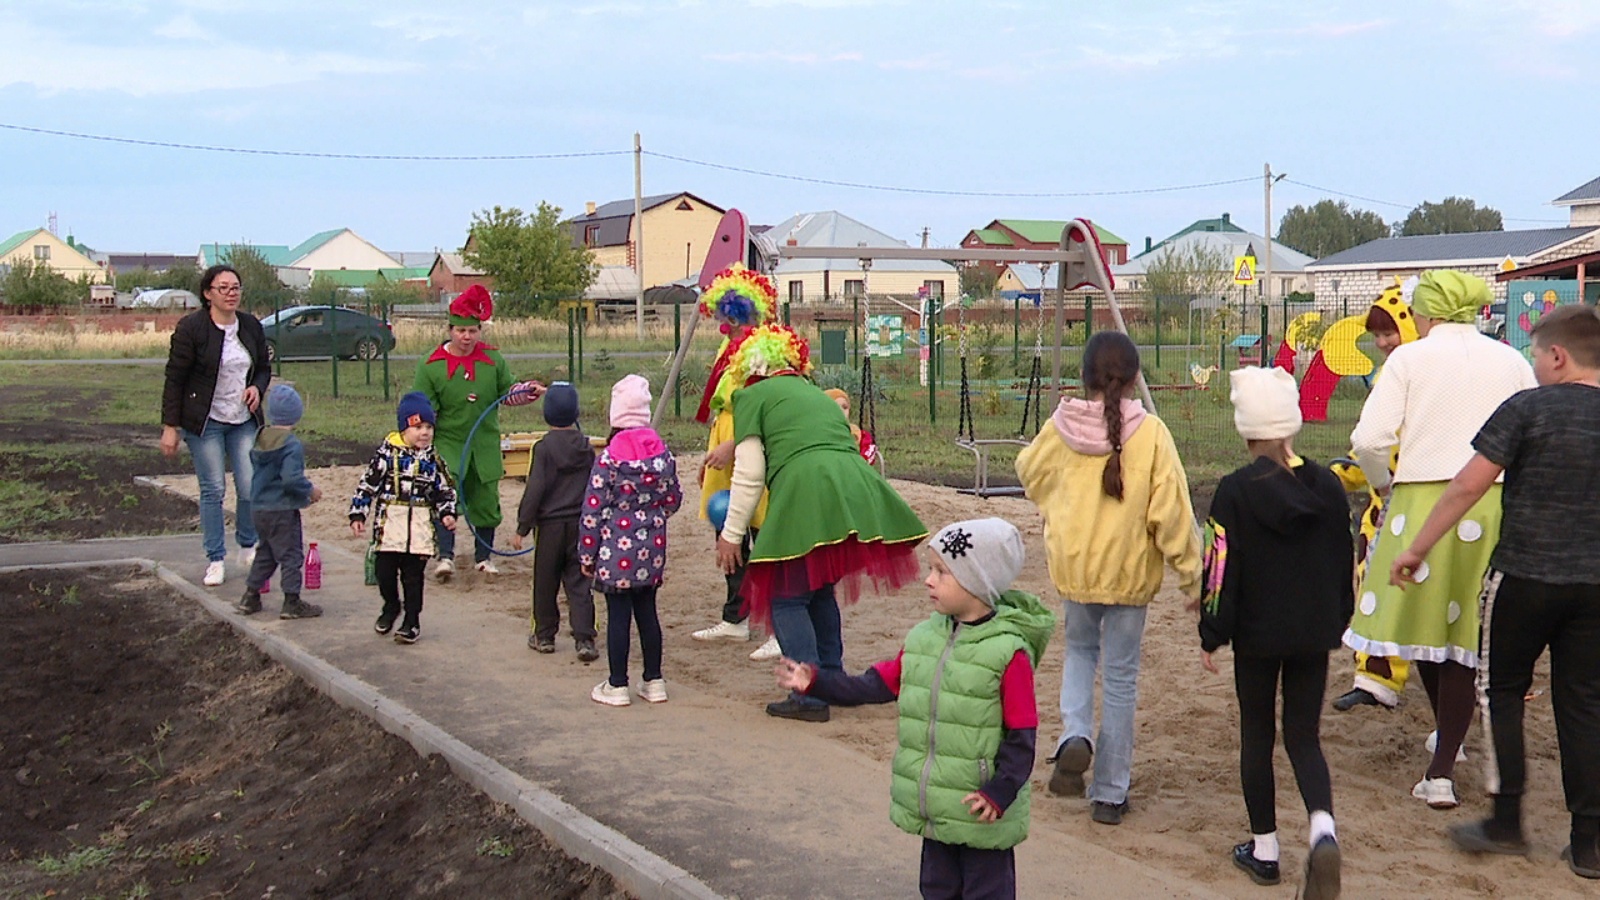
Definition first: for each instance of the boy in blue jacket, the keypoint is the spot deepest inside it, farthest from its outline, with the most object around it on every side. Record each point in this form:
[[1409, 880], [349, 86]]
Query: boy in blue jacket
[[279, 489], [968, 720]]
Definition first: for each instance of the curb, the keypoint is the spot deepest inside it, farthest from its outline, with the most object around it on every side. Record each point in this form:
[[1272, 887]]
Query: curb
[[634, 868]]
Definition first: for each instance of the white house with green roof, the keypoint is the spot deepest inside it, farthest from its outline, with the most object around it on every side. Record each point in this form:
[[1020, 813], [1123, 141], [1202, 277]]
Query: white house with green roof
[[1034, 234], [336, 250], [41, 247]]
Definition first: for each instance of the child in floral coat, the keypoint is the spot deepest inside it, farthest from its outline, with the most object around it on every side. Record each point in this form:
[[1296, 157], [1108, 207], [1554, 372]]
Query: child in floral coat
[[622, 537]]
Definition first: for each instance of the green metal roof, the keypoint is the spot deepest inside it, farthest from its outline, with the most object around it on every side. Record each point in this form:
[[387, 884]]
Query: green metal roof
[[1048, 231], [312, 243], [994, 236], [1222, 226], [17, 240], [274, 254]]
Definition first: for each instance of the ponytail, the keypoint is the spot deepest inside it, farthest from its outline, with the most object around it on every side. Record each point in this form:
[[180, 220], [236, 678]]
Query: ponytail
[[1111, 476]]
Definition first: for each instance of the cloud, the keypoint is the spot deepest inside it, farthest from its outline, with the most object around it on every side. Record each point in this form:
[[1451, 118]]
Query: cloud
[[776, 56], [424, 26], [183, 28], [55, 63], [1561, 19]]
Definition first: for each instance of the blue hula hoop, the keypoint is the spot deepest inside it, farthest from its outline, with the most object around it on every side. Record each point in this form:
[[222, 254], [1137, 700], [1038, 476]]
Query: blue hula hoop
[[466, 453]]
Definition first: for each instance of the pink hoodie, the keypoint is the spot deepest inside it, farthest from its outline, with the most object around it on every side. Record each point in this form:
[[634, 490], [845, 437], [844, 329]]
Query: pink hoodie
[[1082, 424], [637, 444]]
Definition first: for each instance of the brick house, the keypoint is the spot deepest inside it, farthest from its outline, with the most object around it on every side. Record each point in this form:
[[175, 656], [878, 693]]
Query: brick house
[[450, 275], [1034, 234]]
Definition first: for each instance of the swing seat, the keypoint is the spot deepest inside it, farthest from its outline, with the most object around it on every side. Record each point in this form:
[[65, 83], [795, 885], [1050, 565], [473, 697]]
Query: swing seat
[[980, 479]]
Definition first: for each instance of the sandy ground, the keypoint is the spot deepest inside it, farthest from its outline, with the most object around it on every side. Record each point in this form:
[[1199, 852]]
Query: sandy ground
[[1188, 810]]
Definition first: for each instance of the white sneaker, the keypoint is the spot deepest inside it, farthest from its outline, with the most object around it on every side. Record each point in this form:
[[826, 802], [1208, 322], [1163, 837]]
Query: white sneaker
[[1432, 744], [616, 696], [487, 567], [768, 651], [247, 557], [1440, 793], [215, 574], [444, 569], [652, 691], [733, 631]]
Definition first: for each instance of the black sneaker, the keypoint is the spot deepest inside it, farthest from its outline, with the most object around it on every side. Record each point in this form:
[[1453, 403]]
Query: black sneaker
[[543, 645], [407, 634], [1259, 870], [586, 651], [1486, 836], [790, 708], [1109, 813], [1322, 871], [385, 623], [1355, 698], [1583, 857], [295, 608], [250, 603], [1072, 760]]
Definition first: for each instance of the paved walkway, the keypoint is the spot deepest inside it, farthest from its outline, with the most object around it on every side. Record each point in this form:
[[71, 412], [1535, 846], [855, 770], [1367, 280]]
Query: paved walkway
[[751, 806]]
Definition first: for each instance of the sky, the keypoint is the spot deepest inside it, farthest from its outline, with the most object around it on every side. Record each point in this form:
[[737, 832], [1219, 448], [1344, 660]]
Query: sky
[[968, 111]]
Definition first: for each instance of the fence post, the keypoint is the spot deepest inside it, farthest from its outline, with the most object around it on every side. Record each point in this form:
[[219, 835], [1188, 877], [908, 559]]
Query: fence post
[[577, 314], [1016, 333], [384, 308], [786, 312], [277, 329], [1157, 302], [1088, 317], [368, 301], [333, 349], [677, 339], [572, 346], [1264, 325]]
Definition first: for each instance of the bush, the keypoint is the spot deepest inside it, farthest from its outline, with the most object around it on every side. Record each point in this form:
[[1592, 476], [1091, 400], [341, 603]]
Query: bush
[[36, 286]]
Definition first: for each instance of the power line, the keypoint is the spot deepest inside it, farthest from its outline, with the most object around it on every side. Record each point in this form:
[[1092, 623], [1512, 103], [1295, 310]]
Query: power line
[[941, 192], [310, 153], [1405, 206]]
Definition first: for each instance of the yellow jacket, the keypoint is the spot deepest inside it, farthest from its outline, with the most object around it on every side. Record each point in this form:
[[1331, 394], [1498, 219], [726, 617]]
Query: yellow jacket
[[722, 479], [1102, 550]]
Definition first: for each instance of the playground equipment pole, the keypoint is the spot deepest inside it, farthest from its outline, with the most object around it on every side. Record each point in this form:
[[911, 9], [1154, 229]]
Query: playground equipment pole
[[855, 325], [677, 338], [677, 366]]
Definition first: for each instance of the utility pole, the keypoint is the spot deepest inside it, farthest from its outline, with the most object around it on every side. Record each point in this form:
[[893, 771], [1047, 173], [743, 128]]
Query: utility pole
[[924, 237], [638, 231], [1266, 269]]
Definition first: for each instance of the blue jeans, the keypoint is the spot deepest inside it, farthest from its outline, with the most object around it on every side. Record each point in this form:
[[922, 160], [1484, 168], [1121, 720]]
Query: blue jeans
[[808, 630], [1108, 638], [447, 541], [217, 443]]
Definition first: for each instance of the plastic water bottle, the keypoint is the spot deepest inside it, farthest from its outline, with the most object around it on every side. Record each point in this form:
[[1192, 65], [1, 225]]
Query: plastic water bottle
[[313, 576]]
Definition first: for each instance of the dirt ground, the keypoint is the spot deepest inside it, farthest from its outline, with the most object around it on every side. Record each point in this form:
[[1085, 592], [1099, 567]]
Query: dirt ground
[[149, 752], [1188, 809]]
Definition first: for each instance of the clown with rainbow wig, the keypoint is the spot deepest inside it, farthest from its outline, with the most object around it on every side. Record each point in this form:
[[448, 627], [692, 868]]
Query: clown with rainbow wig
[[831, 520]]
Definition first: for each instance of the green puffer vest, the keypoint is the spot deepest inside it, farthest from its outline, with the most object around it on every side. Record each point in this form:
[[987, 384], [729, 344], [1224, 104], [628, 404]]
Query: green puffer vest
[[950, 726]]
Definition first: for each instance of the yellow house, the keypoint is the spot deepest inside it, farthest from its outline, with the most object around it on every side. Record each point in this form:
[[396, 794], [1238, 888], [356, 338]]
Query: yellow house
[[41, 247], [678, 229], [816, 280]]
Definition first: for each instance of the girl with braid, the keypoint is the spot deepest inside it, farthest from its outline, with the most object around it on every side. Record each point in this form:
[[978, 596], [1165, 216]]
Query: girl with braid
[[1106, 476]]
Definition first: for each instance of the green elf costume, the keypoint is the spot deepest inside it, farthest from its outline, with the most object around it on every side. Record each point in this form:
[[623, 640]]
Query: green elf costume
[[463, 378]]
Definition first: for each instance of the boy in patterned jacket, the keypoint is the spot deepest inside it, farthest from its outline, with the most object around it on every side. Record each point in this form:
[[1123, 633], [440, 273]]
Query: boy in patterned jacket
[[405, 488], [622, 538], [968, 719]]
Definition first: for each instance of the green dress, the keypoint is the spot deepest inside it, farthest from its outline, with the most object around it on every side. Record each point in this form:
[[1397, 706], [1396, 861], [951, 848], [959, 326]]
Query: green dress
[[830, 516], [460, 389]]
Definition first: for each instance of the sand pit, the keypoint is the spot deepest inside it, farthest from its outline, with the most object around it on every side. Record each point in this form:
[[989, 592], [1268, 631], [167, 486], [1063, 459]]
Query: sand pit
[[1188, 810]]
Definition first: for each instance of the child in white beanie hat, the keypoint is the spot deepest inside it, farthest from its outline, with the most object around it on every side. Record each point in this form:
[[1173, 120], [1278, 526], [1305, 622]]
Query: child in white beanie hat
[[982, 642], [1283, 520]]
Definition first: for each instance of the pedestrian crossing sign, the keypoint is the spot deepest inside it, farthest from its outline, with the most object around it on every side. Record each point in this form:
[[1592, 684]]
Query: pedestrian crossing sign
[[1244, 270]]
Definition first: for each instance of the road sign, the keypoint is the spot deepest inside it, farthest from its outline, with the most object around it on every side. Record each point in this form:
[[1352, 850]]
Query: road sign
[[1244, 270]]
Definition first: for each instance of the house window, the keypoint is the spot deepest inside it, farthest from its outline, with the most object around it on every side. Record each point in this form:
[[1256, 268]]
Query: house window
[[797, 291], [41, 252], [591, 235], [935, 288], [855, 287]]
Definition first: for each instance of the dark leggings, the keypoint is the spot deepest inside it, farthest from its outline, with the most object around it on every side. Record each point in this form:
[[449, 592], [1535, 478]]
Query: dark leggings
[[397, 571], [639, 605], [1453, 695], [1255, 678]]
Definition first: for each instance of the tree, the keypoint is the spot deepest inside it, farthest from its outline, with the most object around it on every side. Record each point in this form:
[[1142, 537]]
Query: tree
[[258, 278], [1327, 227], [183, 276], [978, 281], [1195, 270], [1453, 215], [31, 285], [531, 257]]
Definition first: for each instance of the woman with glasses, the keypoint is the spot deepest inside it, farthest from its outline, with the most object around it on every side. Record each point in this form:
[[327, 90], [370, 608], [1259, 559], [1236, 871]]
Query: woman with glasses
[[217, 374]]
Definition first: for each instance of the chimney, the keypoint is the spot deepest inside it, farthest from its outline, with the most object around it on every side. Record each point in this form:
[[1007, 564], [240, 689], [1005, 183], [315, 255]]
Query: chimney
[[1147, 243], [1226, 220], [588, 208]]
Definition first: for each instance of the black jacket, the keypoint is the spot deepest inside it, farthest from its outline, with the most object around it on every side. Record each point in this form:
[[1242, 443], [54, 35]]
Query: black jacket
[[192, 365], [562, 461], [1279, 562]]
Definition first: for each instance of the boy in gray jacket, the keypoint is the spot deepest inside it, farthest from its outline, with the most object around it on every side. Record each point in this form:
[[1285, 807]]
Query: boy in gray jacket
[[279, 489]]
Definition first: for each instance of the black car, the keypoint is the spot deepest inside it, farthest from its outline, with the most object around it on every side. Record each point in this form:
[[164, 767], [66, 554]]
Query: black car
[[322, 331]]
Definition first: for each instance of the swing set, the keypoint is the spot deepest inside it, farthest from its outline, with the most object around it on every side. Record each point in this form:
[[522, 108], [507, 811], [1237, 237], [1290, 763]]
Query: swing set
[[1080, 262]]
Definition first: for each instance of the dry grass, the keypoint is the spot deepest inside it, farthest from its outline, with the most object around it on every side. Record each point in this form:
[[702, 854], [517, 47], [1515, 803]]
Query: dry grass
[[89, 343]]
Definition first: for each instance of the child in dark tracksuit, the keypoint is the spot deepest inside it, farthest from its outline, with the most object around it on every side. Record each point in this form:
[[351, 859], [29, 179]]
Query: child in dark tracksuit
[[1543, 587], [278, 491], [406, 490], [622, 537], [1279, 587], [968, 720], [551, 503]]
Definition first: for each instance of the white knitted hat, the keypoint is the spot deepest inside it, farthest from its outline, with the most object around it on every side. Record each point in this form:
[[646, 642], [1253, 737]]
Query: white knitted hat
[[985, 555], [1266, 403]]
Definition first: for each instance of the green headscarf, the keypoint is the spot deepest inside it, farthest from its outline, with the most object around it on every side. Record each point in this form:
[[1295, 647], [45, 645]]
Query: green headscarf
[[1450, 296]]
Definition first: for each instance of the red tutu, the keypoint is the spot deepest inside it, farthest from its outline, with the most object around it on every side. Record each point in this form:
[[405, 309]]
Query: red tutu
[[845, 564]]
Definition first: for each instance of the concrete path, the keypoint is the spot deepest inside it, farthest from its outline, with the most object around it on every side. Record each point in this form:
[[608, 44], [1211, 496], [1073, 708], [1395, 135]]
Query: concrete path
[[750, 806]]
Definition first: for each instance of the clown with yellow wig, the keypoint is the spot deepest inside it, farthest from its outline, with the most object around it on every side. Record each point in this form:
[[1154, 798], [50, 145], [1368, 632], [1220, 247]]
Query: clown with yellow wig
[[740, 299], [831, 520], [1379, 680], [1434, 396]]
